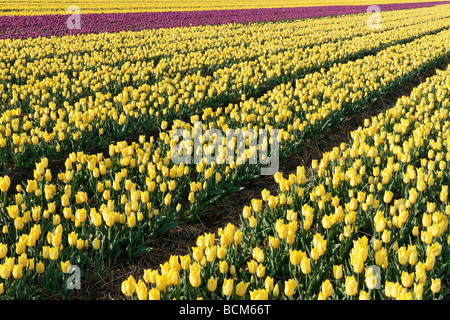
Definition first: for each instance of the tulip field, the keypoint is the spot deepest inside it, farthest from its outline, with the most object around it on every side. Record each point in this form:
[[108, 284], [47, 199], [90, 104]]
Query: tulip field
[[89, 121]]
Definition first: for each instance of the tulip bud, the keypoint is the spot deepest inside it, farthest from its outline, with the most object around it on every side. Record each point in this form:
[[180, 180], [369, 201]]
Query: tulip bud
[[276, 291]]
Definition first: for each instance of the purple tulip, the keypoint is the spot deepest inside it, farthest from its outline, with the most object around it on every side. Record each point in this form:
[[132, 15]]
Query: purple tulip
[[22, 27]]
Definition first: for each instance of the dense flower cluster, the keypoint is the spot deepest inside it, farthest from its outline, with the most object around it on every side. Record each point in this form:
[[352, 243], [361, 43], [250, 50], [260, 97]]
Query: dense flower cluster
[[107, 204], [371, 222], [72, 95]]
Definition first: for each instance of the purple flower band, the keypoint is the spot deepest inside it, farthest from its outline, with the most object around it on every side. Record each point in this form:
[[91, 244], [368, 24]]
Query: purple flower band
[[22, 27]]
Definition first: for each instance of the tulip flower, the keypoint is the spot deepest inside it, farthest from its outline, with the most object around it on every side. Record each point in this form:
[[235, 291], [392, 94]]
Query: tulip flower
[[5, 271], [407, 279], [435, 285], [227, 287], [272, 202], [351, 286], [3, 250], [289, 287], [259, 294], [274, 242], [17, 271], [129, 286], [387, 198], [241, 288], [337, 271], [141, 290], [363, 295], [40, 267], [5, 182], [327, 288], [296, 256], [212, 284], [305, 265], [194, 274], [418, 291], [256, 205], [246, 212]]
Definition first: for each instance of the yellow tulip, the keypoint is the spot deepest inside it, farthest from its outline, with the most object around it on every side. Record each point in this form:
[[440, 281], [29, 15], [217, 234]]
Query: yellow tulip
[[327, 288], [167, 199], [5, 271], [227, 287], [351, 286], [274, 242], [223, 266], [3, 250], [260, 271], [273, 201], [388, 196], [212, 284], [241, 288], [337, 271], [436, 285], [268, 283], [17, 271], [246, 212], [305, 265], [65, 265], [40, 267], [363, 295], [129, 286], [259, 294], [18, 223], [53, 253], [407, 279], [296, 256], [289, 287], [5, 182], [194, 275], [154, 294], [256, 205]]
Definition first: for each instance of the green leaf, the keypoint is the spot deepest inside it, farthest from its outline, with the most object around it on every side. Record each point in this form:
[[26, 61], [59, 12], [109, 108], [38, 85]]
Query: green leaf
[[140, 251], [114, 251]]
